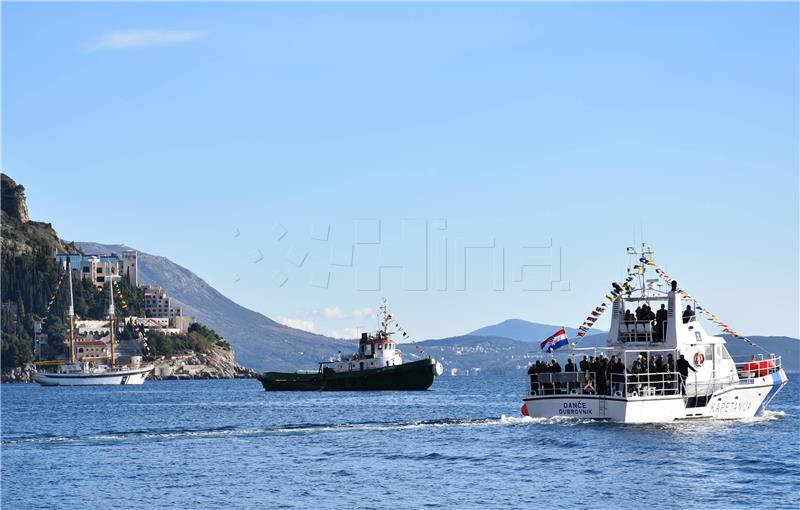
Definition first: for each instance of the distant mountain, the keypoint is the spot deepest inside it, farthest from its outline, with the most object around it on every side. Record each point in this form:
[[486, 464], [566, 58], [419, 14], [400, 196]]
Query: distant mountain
[[504, 353], [526, 331], [259, 342], [492, 354], [788, 348]]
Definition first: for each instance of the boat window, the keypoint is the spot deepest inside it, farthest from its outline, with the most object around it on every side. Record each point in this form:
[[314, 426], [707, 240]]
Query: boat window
[[724, 352], [709, 352]]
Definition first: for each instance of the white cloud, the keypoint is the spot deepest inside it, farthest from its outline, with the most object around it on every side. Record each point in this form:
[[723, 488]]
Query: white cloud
[[346, 333], [360, 313], [303, 324], [334, 313], [356, 313], [125, 39]]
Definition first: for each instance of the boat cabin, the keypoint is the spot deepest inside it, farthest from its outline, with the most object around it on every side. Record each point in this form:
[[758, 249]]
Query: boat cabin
[[374, 351]]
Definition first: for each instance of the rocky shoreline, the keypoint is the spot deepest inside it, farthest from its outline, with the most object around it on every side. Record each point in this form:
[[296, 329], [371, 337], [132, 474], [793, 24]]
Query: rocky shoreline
[[220, 363]]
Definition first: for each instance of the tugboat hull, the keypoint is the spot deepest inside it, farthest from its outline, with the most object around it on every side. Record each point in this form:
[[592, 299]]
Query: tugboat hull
[[414, 376]]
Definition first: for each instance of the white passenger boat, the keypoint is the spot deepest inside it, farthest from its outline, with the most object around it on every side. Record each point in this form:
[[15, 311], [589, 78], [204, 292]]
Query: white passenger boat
[[89, 373], [716, 386]]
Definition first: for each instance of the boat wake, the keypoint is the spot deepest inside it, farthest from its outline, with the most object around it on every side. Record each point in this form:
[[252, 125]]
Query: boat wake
[[767, 415], [290, 429], [321, 428]]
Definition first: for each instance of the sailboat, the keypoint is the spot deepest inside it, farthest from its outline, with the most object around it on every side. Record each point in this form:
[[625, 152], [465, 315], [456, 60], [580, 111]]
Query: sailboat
[[87, 373]]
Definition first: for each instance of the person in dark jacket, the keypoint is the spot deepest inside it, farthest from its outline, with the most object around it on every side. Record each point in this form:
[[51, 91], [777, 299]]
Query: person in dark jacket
[[683, 368], [595, 368], [602, 368], [584, 364], [633, 380], [534, 378], [661, 323], [688, 314], [553, 368], [570, 367], [617, 374]]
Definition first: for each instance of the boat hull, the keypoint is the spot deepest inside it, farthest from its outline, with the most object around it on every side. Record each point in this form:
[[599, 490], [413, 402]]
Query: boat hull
[[413, 376], [133, 376], [736, 401]]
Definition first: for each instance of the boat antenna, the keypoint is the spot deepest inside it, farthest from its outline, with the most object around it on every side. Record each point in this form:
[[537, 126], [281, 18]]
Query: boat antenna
[[70, 313], [111, 313]]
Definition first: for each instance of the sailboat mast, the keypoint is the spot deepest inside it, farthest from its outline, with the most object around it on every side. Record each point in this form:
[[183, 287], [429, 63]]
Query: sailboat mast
[[71, 314], [111, 312]]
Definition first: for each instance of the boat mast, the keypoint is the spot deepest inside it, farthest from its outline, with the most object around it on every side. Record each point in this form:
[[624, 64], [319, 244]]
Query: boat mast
[[111, 313], [386, 318], [71, 314]]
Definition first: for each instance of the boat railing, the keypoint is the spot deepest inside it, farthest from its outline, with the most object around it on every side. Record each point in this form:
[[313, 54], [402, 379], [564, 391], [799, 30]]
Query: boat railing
[[646, 384], [642, 331], [558, 383], [752, 368]]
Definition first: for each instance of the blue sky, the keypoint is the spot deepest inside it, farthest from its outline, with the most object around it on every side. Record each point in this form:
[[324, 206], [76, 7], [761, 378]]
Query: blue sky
[[262, 145]]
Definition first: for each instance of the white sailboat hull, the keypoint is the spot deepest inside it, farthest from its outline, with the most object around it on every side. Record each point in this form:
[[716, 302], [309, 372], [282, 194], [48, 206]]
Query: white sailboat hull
[[736, 401], [97, 378]]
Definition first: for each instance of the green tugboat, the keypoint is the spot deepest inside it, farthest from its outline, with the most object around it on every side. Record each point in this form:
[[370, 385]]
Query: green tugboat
[[377, 366]]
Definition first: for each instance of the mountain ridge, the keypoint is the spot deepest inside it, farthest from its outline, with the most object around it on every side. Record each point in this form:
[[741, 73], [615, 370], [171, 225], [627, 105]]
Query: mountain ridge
[[527, 331]]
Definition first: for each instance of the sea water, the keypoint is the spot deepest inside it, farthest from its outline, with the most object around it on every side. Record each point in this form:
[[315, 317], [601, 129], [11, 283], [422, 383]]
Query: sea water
[[462, 444]]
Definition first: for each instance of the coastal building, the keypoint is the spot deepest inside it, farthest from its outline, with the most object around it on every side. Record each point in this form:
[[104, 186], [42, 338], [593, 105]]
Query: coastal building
[[166, 325], [158, 304], [182, 322], [130, 266], [92, 328], [156, 301], [94, 349], [99, 268]]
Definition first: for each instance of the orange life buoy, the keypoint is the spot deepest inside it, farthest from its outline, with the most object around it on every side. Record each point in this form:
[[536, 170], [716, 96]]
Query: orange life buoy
[[699, 358]]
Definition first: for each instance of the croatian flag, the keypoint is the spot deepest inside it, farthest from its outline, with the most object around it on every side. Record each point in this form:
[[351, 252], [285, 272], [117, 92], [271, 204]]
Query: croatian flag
[[559, 339]]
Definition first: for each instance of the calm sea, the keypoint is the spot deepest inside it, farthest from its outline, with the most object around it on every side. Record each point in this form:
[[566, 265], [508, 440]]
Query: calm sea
[[462, 444]]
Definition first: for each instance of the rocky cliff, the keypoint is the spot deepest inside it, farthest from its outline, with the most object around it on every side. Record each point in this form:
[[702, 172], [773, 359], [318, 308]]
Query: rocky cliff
[[20, 234], [220, 363], [12, 199]]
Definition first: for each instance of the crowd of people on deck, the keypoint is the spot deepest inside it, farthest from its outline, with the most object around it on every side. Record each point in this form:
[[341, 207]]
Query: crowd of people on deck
[[657, 320], [601, 375]]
